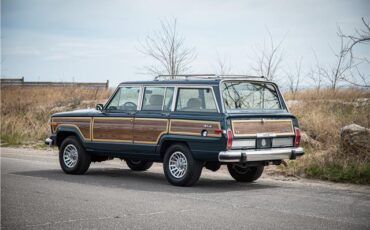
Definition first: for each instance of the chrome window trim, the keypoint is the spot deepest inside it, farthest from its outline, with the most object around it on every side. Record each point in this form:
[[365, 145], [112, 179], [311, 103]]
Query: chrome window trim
[[140, 99], [164, 98], [280, 96], [175, 93]]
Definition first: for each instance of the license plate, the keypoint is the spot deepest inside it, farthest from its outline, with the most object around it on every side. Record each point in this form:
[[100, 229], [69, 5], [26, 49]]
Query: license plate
[[263, 143]]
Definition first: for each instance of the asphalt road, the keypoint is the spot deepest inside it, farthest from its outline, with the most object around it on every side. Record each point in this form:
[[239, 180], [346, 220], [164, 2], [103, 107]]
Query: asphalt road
[[36, 194]]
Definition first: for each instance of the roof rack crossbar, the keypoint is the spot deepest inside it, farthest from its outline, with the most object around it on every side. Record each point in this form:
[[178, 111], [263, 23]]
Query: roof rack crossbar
[[204, 76]]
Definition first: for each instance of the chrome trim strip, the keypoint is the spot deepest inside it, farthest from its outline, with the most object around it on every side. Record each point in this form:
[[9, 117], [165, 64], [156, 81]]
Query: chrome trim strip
[[164, 98], [215, 99], [174, 100], [260, 155], [140, 98], [233, 122]]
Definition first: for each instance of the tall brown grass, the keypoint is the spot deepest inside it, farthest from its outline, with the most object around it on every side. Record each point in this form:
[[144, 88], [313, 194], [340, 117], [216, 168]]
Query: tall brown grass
[[322, 114], [25, 111]]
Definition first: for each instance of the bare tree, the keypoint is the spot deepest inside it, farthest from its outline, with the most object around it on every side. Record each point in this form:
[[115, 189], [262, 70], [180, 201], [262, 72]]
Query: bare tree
[[268, 59], [223, 65], [315, 74], [339, 71], [359, 79], [361, 36], [166, 47], [346, 66], [294, 79]]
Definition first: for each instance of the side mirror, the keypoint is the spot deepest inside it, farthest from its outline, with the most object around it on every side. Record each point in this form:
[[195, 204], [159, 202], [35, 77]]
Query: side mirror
[[99, 107]]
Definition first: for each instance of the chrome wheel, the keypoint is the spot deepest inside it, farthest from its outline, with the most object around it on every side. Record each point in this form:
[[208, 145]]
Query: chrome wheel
[[178, 164], [70, 156]]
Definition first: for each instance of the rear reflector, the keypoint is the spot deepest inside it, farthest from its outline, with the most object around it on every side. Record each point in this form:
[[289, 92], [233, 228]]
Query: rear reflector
[[218, 131], [297, 139], [229, 139]]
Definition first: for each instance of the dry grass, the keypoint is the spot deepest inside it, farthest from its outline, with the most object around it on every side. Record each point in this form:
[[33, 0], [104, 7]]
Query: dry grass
[[322, 114], [25, 111], [344, 95]]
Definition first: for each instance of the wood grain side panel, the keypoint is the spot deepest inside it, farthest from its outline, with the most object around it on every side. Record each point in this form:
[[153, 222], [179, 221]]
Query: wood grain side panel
[[252, 127], [82, 123], [194, 127], [112, 130], [149, 130]]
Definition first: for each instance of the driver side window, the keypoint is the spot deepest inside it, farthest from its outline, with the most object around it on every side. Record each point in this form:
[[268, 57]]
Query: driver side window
[[125, 99]]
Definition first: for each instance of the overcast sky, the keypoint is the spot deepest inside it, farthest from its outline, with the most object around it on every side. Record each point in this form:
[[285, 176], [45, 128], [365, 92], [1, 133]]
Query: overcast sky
[[65, 40]]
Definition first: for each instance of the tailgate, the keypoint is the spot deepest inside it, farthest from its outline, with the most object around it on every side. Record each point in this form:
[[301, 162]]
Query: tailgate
[[262, 127]]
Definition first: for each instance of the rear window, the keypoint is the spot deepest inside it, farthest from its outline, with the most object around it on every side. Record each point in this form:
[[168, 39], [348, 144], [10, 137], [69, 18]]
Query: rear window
[[243, 95]]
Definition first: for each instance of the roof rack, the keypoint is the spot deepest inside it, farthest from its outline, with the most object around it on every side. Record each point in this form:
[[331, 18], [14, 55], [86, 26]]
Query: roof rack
[[203, 76]]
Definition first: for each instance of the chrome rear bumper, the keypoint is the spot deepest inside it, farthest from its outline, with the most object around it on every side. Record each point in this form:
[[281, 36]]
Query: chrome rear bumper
[[260, 155]]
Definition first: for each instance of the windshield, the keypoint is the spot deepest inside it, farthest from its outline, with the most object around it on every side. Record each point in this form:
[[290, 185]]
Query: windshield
[[244, 95]]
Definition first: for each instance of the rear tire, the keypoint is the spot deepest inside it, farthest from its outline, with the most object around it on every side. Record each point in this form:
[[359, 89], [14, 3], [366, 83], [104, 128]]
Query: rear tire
[[179, 166], [73, 158], [139, 165], [243, 173]]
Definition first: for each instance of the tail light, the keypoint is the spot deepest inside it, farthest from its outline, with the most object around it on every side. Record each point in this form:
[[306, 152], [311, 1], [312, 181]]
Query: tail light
[[229, 139], [297, 139]]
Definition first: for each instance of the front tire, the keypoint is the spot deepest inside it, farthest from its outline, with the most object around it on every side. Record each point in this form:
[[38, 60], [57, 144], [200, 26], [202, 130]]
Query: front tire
[[73, 158], [244, 173], [179, 166], [139, 165]]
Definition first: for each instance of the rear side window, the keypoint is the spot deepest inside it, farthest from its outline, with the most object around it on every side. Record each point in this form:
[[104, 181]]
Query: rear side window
[[196, 100], [158, 98]]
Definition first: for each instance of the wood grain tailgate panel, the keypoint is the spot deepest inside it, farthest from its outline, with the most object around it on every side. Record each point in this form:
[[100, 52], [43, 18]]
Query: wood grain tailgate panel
[[252, 127]]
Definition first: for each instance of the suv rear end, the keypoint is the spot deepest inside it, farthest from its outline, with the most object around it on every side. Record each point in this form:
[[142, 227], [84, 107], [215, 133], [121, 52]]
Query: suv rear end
[[260, 129]]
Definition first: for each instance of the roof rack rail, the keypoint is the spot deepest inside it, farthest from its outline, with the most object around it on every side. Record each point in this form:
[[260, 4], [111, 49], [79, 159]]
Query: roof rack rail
[[203, 76], [186, 76]]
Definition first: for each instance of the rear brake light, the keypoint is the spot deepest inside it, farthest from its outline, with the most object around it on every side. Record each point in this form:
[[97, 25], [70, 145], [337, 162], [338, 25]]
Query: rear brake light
[[297, 139], [229, 139]]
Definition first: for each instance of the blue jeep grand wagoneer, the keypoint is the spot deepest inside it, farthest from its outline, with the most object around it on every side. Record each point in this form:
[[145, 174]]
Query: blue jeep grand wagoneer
[[189, 123]]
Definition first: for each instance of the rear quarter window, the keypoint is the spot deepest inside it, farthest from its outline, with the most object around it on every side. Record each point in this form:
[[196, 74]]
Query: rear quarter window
[[196, 100]]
